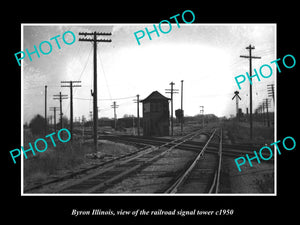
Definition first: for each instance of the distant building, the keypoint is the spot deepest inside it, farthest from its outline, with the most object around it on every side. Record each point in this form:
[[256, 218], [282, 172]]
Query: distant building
[[156, 115], [240, 113]]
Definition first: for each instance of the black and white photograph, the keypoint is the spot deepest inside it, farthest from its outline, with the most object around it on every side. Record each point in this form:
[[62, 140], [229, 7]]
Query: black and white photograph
[[159, 113], [150, 114]]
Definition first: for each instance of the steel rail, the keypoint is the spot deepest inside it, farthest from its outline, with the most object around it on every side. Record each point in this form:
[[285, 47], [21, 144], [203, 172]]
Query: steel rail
[[144, 150], [216, 181], [109, 168], [174, 187], [85, 170], [136, 167], [189, 145]]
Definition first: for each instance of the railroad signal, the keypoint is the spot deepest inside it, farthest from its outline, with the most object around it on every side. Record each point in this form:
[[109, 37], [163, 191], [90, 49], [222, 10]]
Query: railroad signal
[[237, 97]]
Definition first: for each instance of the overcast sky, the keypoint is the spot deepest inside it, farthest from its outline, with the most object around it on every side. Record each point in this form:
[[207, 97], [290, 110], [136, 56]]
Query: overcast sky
[[205, 56]]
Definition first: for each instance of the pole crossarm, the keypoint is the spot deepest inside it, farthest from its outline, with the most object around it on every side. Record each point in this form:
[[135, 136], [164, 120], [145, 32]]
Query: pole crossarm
[[92, 33], [73, 81], [92, 40], [253, 57], [53, 108]]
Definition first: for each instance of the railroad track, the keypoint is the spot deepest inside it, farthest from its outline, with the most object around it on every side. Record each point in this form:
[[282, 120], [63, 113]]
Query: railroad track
[[102, 177], [159, 140], [234, 150], [105, 176], [202, 175], [32, 188]]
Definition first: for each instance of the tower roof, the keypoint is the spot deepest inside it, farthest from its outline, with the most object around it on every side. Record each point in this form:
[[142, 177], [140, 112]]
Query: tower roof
[[155, 95]]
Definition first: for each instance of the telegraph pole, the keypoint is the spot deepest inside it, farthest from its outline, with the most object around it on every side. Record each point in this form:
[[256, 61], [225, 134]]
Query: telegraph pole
[[71, 85], [45, 109], [137, 101], [250, 57], [263, 112], [182, 114], [94, 40], [54, 111], [60, 97], [259, 110], [271, 91], [114, 106], [172, 91], [267, 105], [202, 111]]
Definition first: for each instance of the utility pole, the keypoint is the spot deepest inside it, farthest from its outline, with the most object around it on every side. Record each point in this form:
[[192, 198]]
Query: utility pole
[[60, 97], [82, 125], [202, 112], [114, 106], [263, 112], [267, 106], [137, 101], [133, 125], [237, 97], [49, 121], [182, 114], [94, 40], [172, 91], [270, 88], [259, 112], [45, 109], [91, 116], [250, 57], [54, 111], [71, 85]]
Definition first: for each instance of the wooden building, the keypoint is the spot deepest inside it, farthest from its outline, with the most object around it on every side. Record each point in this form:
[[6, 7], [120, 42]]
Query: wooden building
[[155, 115]]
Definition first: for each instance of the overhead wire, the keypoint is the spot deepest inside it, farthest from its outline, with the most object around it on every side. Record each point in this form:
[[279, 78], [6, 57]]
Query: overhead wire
[[106, 99], [80, 76], [107, 86]]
